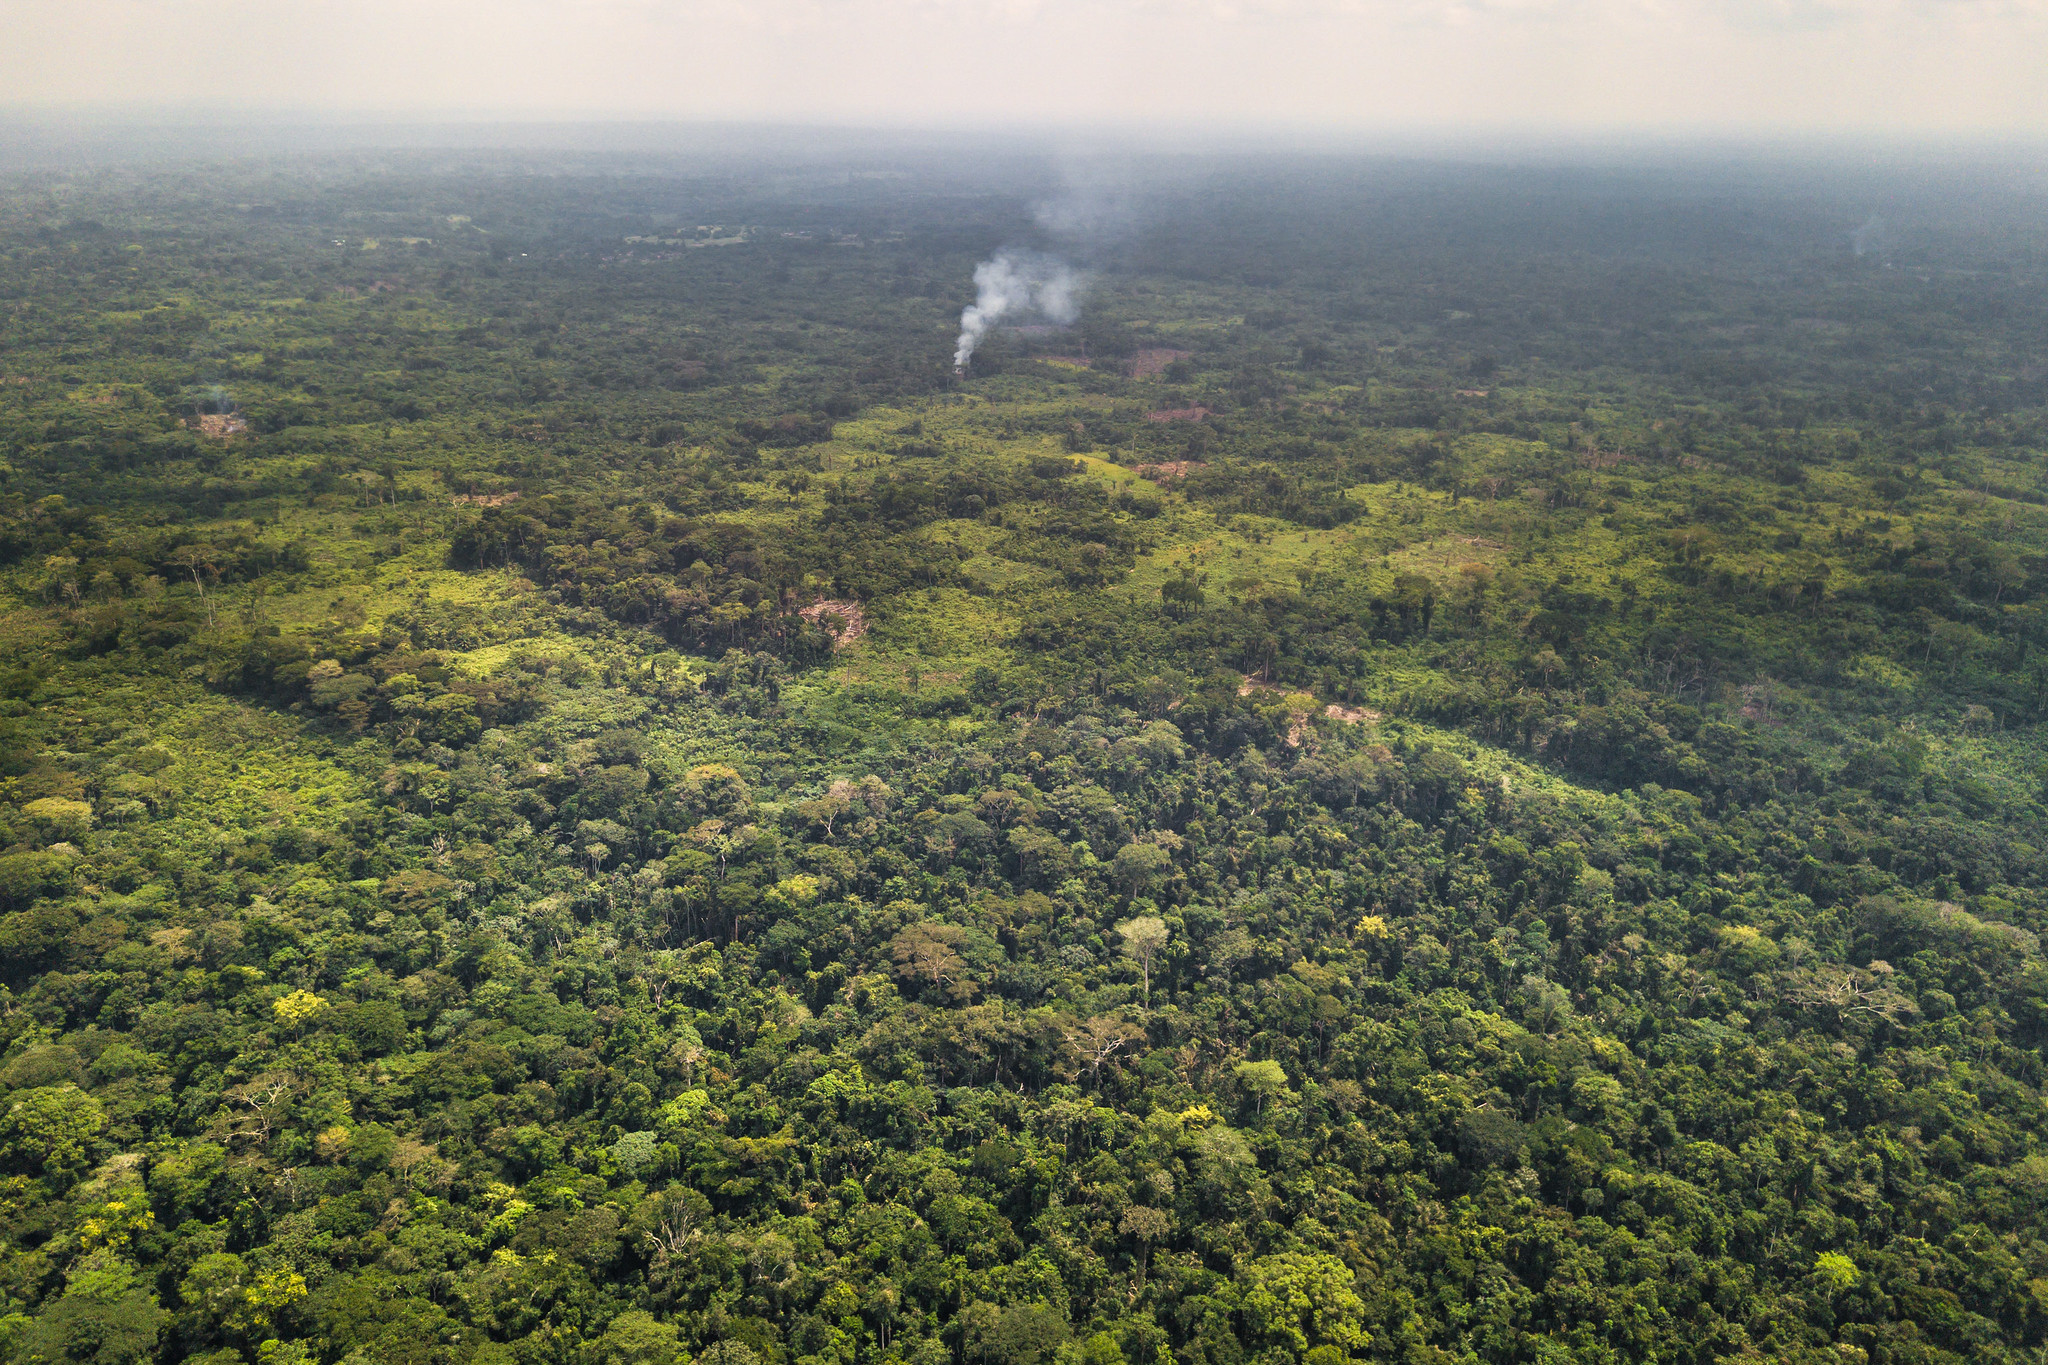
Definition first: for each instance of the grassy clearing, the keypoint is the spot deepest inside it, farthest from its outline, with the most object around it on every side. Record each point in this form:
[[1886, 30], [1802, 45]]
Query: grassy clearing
[[938, 636], [1239, 553], [979, 538]]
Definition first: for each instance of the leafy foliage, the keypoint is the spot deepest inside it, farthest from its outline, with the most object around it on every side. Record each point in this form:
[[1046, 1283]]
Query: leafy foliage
[[572, 795]]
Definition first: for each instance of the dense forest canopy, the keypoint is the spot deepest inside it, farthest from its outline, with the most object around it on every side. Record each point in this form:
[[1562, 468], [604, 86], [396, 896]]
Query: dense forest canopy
[[1455, 772]]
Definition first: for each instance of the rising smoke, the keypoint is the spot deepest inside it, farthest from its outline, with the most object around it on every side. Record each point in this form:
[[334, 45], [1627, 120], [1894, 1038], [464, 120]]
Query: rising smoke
[[1095, 207], [1872, 236], [1014, 281]]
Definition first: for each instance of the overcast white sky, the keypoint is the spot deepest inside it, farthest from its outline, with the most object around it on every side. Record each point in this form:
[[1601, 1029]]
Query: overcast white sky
[[1657, 66]]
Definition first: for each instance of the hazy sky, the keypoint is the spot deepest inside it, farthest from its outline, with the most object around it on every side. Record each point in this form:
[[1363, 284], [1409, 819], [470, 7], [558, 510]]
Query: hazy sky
[[1688, 66]]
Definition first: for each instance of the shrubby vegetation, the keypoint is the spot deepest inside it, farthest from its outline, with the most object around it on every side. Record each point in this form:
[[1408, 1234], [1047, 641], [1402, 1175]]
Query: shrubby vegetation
[[572, 795]]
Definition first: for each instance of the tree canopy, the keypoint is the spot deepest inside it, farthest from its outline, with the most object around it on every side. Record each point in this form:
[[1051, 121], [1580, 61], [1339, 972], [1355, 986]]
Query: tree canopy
[[1455, 773]]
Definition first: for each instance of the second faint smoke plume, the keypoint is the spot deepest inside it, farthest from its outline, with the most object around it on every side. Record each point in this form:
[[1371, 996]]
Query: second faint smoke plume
[[1017, 282]]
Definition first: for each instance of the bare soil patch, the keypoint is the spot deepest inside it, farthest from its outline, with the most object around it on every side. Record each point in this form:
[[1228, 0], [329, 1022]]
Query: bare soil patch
[[1297, 725], [1166, 471], [844, 619], [1151, 362], [1177, 415], [219, 425]]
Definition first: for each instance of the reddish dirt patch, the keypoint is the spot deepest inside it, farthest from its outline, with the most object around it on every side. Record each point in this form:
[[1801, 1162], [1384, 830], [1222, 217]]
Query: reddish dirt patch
[[219, 425], [1177, 415], [1151, 362], [486, 499], [844, 619], [1297, 724], [1167, 471]]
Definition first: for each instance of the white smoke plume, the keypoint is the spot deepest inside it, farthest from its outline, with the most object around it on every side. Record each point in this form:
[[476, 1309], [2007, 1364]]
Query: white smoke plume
[[1012, 282], [1872, 236]]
